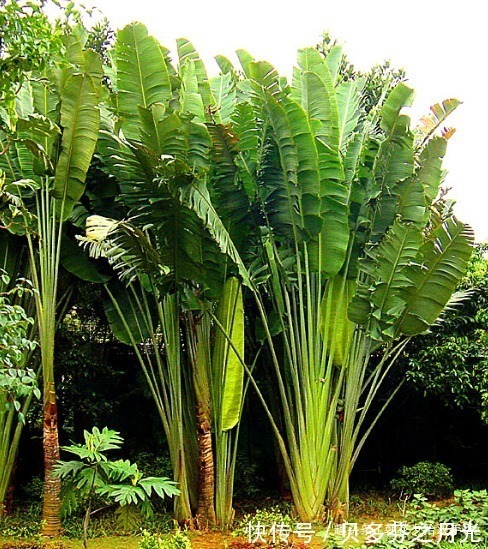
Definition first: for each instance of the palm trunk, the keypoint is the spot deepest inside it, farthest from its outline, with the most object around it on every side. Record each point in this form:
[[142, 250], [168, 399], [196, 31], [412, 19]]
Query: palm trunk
[[52, 485], [206, 469]]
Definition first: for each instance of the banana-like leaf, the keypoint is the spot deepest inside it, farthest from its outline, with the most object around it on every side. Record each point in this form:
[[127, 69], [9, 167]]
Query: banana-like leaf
[[348, 110], [245, 129], [245, 59], [430, 173], [387, 267], [80, 120], [320, 103], [401, 96], [46, 103], [191, 101], [328, 251], [161, 132], [443, 260], [225, 65], [411, 201], [199, 145], [315, 90], [310, 60], [226, 364], [279, 190], [142, 76], [224, 91], [334, 59], [195, 196], [228, 193], [394, 161], [265, 78], [187, 53]]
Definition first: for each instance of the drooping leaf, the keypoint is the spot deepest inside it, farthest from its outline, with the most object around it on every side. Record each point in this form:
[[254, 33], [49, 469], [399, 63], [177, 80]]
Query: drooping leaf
[[430, 172], [380, 301], [444, 258]]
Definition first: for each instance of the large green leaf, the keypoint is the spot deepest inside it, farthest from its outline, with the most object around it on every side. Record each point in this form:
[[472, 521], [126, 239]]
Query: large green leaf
[[142, 76], [225, 362], [320, 100], [336, 327], [443, 261], [394, 161], [245, 128], [187, 53], [430, 173], [348, 110], [245, 59], [227, 191], [380, 300], [80, 120], [401, 96], [224, 91], [196, 197], [191, 101]]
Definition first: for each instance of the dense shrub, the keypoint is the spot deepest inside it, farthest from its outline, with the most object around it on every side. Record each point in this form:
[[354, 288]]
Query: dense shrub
[[433, 480]]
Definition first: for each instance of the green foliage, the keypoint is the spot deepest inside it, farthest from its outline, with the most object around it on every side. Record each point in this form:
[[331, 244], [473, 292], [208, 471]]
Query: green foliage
[[266, 516], [119, 481], [249, 481], [20, 525], [28, 41], [376, 83], [15, 325], [178, 540], [469, 505], [433, 480], [153, 465]]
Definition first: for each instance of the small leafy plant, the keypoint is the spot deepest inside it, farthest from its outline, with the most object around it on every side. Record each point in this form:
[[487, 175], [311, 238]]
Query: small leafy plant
[[178, 540], [470, 506], [266, 517], [120, 481], [433, 480]]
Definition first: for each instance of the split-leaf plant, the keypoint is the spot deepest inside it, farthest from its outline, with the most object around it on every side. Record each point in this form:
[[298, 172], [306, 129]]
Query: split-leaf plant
[[94, 474]]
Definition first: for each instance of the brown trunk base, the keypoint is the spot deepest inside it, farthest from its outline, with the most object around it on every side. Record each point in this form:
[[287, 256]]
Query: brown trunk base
[[206, 472], [52, 486]]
